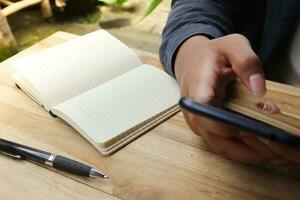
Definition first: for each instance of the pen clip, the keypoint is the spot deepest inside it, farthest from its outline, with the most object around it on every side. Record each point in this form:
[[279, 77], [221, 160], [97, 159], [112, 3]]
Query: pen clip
[[12, 155]]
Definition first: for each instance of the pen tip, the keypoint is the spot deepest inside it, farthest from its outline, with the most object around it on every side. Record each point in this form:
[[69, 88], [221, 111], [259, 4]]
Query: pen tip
[[106, 177], [96, 173]]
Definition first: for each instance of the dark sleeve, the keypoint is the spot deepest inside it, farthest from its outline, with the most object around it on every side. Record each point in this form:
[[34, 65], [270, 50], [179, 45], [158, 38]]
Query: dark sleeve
[[212, 18]]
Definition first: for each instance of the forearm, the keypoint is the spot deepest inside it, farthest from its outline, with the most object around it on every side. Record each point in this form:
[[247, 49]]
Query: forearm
[[212, 18]]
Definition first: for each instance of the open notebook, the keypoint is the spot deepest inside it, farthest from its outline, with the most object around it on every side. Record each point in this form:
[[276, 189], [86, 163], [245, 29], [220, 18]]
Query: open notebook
[[100, 87]]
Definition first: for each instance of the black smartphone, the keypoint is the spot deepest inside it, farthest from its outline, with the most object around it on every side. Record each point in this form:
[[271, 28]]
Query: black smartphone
[[240, 121]]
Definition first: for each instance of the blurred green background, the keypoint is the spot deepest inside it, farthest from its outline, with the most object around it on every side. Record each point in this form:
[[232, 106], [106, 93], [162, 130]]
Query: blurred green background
[[123, 18]]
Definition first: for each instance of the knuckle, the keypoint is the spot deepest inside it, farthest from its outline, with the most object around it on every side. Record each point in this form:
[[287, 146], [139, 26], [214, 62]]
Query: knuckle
[[239, 37], [235, 38], [248, 62], [208, 99]]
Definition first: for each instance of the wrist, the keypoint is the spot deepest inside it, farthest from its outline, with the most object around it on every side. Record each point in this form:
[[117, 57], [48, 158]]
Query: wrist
[[186, 51]]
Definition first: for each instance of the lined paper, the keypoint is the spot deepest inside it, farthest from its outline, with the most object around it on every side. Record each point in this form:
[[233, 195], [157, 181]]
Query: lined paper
[[120, 104], [71, 68]]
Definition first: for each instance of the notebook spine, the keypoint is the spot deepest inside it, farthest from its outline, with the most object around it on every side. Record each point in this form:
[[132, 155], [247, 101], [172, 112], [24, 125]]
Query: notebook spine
[[50, 112]]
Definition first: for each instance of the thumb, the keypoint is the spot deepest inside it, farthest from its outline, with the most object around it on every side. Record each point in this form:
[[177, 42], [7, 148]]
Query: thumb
[[245, 63]]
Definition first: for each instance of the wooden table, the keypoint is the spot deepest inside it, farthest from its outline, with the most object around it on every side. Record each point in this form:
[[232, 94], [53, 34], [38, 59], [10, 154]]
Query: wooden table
[[169, 162]]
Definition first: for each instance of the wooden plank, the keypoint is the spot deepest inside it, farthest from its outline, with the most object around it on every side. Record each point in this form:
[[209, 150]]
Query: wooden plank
[[15, 7], [6, 2], [169, 162], [279, 107], [24, 180], [46, 9], [147, 159], [7, 40]]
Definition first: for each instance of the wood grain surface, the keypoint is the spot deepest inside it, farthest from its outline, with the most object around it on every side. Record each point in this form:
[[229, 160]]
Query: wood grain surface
[[169, 162], [279, 107]]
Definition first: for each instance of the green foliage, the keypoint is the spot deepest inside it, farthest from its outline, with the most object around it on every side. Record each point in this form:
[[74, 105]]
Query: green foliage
[[113, 1], [6, 52], [152, 7], [90, 17]]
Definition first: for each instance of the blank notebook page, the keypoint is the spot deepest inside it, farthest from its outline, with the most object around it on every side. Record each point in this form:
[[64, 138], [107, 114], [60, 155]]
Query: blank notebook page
[[120, 104], [68, 69]]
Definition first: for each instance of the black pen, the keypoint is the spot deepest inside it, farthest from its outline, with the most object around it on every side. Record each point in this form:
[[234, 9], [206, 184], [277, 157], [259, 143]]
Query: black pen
[[58, 162]]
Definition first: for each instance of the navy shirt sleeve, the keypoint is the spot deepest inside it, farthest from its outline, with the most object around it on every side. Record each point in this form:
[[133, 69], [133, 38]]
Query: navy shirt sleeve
[[212, 18]]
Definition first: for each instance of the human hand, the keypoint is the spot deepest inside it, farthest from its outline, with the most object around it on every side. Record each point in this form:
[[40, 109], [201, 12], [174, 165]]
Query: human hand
[[203, 68]]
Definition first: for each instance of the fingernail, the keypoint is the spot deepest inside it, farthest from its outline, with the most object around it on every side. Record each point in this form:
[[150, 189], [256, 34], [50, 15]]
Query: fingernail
[[257, 84]]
